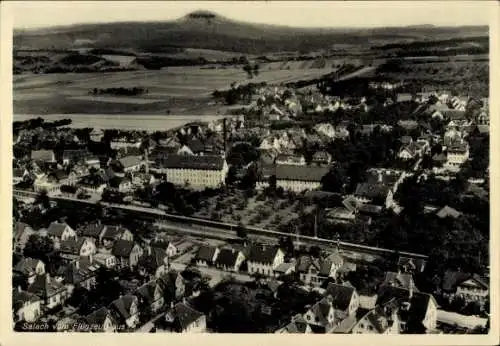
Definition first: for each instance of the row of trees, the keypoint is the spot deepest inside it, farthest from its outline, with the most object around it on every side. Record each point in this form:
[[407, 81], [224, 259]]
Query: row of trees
[[121, 91]]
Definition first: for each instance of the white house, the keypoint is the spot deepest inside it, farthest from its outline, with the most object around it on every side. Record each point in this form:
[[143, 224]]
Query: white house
[[264, 259]]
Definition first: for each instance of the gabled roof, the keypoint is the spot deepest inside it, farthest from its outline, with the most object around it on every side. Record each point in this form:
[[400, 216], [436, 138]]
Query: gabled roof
[[195, 145], [56, 229], [130, 161], [452, 279], [341, 295], [122, 305], [147, 291], [399, 280], [297, 326], [321, 310], [371, 190], [72, 246], [113, 232], [262, 254], [227, 257], [183, 315], [26, 266], [74, 274], [93, 230], [206, 253], [98, 317], [448, 211], [19, 298], [123, 248], [42, 155], [378, 319], [45, 286], [321, 155]]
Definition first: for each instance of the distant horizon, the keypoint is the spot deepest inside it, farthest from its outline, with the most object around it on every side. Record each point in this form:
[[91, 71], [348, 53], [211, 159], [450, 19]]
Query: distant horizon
[[32, 16]]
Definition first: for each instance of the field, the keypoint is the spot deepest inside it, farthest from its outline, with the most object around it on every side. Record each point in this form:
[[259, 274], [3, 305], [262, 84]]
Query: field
[[180, 90]]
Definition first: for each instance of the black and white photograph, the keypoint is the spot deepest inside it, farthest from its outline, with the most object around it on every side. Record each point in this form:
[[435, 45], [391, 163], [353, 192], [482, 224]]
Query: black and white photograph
[[259, 167]]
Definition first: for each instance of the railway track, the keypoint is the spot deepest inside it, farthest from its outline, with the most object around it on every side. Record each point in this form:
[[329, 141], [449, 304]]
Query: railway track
[[157, 215]]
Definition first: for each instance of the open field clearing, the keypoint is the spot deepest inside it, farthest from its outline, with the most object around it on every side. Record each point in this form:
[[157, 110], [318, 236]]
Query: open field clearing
[[126, 122], [178, 89]]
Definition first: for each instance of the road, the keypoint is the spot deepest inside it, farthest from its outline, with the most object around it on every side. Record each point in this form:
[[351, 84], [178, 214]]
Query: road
[[215, 275], [357, 73]]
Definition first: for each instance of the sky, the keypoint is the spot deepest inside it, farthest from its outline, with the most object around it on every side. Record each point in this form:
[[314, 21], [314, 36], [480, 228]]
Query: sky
[[39, 14]]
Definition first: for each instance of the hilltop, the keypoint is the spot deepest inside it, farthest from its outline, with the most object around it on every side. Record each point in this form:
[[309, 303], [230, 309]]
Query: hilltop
[[208, 30]]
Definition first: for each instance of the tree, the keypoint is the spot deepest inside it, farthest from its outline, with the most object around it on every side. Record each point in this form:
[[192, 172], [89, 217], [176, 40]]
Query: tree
[[38, 247], [332, 181], [315, 251], [43, 199], [286, 243]]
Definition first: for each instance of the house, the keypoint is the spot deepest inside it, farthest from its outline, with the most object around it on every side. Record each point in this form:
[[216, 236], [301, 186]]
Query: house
[[264, 259], [167, 246], [125, 311], [94, 183], [21, 234], [80, 273], [101, 320], [41, 156], [26, 306], [345, 300], [74, 156], [113, 233], [127, 253], [341, 215], [173, 284], [410, 265], [122, 184], [127, 164], [448, 211], [402, 280], [290, 159], [158, 260], [72, 248], [105, 260], [470, 287], [150, 295], [206, 255], [379, 320], [182, 318], [452, 137], [299, 178], [93, 232], [321, 316], [29, 268], [229, 260], [285, 268], [271, 142], [321, 158], [417, 310], [374, 193], [51, 291], [199, 172], [410, 151], [298, 325], [316, 271], [408, 124], [325, 129], [60, 232], [457, 155]]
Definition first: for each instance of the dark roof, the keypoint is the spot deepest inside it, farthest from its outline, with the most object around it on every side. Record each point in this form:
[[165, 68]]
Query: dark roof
[[452, 279], [122, 305], [130, 161], [147, 291], [341, 295], [400, 280], [378, 319], [123, 248], [370, 209], [183, 315], [297, 326], [98, 317], [454, 114], [227, 257], [75, 154], [204, 162], [92, 230], [73, 274], [262, 254], [448, 211], [195, 145], [290, 158], [42, 155], [321, 310], [205, 253], [45, 286], [72, 246], [22, 297], [56, 229], [26, 266], [304, 262], [158, 255], [300, 173], [113, 232], [419, 301], [370, 190]]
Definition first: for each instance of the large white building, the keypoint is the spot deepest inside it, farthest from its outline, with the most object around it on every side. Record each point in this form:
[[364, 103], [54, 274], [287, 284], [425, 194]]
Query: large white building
[[198, 172], [457, 155], [299, 178]]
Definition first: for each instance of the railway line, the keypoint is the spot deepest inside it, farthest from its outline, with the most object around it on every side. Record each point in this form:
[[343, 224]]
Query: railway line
[[221, 229]]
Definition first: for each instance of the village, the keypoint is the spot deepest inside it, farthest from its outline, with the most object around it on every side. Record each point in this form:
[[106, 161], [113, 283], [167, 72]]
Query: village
[[301, 163]]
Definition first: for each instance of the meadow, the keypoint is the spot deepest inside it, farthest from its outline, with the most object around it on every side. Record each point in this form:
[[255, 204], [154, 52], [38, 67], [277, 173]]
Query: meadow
[[176, 90]]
